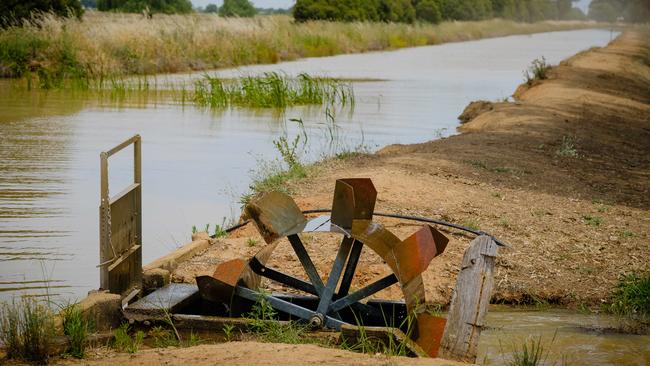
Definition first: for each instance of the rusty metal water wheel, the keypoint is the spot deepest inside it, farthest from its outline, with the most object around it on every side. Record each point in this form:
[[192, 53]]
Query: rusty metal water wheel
[[329, 303]]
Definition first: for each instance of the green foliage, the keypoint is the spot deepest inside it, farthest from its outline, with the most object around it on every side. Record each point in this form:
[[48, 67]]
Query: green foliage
[[76, 328], [538, 70], [26, 330], [123, 341], [428, 11], [631, 297], [12, 12], [237, 8], [148, 6], [211, 8], [89, 4]]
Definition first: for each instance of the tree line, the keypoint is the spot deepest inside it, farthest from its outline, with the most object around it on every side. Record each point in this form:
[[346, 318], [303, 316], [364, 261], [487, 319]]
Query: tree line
[[434, 11]]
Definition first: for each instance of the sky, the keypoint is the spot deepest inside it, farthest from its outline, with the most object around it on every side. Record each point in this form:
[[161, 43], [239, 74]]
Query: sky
[[582, 4]]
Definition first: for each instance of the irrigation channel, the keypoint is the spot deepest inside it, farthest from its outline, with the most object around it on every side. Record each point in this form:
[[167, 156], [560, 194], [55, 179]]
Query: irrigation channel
[[197, 161]]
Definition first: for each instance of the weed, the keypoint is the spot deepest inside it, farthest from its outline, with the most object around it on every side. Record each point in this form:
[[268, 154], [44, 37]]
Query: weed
[[228, 331], [193, 229], [195, 340], [531, 353], [631, 297], [123, 342], [538, 70], [220, 230], [628, 234], [162, 337], [567, 148], [264, 325], [477, 164], [251, 242], [76, 328], [26, 329], [594, 221]]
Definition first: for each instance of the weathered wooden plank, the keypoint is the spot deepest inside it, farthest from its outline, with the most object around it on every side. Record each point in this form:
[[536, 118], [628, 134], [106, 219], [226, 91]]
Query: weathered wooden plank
[[470, 301]]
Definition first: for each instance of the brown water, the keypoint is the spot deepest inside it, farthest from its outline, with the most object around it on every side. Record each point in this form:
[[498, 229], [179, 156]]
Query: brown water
[[566, 337], [196, 162]]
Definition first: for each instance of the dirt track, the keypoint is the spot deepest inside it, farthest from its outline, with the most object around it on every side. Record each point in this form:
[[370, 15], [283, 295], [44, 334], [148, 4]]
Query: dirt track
[[575, 223]]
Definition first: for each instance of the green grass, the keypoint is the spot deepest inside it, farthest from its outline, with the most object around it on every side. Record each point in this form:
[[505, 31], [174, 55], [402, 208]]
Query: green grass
[[123, 341], [27, 329], [272, 90], [594, 221], [76, 328], [631, 297], [251, 242]]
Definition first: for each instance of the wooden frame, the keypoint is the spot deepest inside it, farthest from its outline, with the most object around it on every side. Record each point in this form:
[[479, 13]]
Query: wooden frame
[[120, 228]]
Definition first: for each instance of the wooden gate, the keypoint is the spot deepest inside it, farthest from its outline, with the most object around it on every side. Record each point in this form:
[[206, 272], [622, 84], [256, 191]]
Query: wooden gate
[[120, 228]]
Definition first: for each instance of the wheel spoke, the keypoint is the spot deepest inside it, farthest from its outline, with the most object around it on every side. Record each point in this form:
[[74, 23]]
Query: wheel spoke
[[287, 307], [306, 262], [350, 268], [282, 278], [369, 290], [335, 274]]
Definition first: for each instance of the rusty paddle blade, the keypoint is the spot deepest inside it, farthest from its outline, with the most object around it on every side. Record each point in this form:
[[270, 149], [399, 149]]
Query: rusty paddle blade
[[276, 215], [354, 199]]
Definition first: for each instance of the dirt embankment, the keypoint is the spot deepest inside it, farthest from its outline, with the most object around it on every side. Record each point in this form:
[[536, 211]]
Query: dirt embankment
[[562, 175]]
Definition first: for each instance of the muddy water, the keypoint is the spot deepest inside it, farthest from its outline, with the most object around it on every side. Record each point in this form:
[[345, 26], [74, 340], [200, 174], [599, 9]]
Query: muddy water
[[566, 338], [197, 162]]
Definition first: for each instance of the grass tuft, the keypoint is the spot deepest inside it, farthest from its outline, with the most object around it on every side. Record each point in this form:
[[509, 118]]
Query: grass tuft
[[76, 328], [124, 342], [26, 330], [538, 70], [567, 148], [631, 297]]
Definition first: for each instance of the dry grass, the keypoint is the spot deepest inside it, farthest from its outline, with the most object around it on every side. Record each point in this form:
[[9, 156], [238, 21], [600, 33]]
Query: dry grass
[[112, 44]]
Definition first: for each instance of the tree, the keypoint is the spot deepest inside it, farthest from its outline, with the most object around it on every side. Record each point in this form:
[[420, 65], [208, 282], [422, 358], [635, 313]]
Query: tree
[[428, 11], [211, 8], [237, 8], [12, 12]]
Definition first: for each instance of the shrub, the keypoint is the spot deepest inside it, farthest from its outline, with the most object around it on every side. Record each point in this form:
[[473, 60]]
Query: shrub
[[76, 328], [138, 6]]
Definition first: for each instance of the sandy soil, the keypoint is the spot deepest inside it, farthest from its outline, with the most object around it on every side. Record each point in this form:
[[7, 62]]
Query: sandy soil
[[262, 354], [574, 223]]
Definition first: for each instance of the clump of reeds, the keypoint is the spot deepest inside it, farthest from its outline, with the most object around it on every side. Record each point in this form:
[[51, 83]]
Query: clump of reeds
[[271, 90], [76, 328], [631, 297], [26, 329]]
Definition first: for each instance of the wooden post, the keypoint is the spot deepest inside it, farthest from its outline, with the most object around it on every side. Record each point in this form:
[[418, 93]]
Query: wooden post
[[469, 301]]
